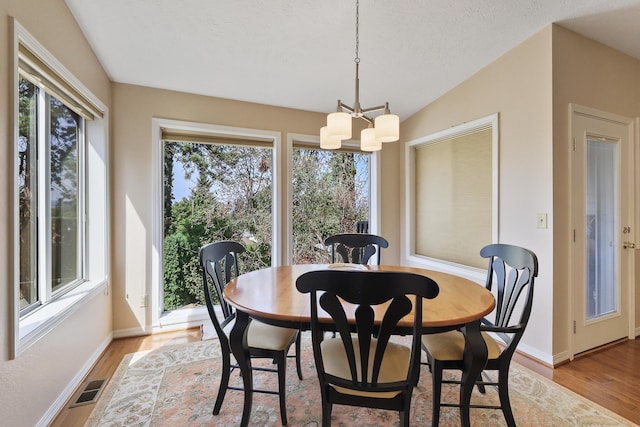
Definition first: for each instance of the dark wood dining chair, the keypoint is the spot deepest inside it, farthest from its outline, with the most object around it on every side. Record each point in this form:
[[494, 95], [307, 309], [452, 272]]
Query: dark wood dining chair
[[361, 366], [511, 275], [362, 226], [219, 263], [356, 248]]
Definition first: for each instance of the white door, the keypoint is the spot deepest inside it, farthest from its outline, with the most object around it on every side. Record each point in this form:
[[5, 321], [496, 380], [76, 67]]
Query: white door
[[602, 206]]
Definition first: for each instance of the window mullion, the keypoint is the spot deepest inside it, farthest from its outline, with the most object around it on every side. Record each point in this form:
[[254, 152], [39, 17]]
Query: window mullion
[[82, 205]]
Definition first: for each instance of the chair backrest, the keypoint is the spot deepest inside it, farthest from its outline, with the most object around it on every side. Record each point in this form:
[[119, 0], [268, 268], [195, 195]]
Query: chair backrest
[[362, 226], [511, 271], [365, 289], [356, 248], [219, 263]]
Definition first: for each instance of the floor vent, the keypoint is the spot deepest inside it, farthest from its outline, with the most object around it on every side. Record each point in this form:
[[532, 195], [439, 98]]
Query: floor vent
[[90, 394]]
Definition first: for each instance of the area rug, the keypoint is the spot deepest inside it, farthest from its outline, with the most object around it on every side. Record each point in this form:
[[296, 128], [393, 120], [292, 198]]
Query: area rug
[[177, 386]]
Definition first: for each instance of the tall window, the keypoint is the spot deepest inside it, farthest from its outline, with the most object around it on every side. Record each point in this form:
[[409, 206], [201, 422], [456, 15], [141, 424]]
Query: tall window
[[60, 205], [215, 190], [331, 194], [50, 147]]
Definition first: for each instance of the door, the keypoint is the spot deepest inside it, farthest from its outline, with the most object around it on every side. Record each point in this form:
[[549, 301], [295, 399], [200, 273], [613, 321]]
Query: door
[[602, 205]]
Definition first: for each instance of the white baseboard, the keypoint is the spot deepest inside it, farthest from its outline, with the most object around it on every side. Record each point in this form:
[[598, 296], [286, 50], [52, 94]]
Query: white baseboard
[[207, 331], [68, 391], [561, 357], [132, 332]]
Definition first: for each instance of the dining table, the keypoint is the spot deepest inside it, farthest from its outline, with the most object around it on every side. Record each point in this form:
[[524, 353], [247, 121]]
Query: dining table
[[270, 295]]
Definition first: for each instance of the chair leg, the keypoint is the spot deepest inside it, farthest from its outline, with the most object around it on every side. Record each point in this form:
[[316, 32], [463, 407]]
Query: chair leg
[[326, 413], [481, 388], [436, 387], [406, 412], [404, 419], [503, 392], [224, 381], [298, 355], [282, 389]]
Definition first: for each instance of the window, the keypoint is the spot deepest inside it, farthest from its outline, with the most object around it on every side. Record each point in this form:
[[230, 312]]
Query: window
[[452, 203], [218, 190], [50, 147], [60, 152], [214, 182], [330, 194]]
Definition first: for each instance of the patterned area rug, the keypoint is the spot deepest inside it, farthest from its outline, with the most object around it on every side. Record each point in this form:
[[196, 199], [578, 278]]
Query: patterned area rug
[[177, 386]]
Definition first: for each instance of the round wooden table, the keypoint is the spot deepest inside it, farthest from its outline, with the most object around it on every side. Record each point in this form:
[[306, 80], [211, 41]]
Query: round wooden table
[[270, 295]]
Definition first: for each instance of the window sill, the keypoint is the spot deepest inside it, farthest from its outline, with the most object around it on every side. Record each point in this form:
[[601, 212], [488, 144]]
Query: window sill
[[187, 317], [37, 324], [472, 273]]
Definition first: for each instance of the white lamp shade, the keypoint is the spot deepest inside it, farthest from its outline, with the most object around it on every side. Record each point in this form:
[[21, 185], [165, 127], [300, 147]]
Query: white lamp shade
[[328, 142], [339, 125], [368, 141], [387, 127]]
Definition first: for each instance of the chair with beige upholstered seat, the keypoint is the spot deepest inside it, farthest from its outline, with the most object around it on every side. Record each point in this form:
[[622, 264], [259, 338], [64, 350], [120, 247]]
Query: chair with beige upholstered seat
[[219, 262], [360, 366], [355, 248], [511, 274]]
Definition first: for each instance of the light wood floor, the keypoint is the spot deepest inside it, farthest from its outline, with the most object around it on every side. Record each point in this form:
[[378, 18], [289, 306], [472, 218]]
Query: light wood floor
[[609, 377]]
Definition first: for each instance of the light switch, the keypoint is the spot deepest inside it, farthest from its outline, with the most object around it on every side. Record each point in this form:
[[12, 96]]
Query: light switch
[[541, 220]]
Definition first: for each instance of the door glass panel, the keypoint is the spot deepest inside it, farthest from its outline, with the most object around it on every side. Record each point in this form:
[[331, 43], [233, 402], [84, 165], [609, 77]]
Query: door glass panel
[[601, 228]]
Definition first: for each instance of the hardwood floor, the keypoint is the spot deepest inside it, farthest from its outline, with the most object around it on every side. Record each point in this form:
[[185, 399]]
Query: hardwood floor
[[610, 377], [109, 361]]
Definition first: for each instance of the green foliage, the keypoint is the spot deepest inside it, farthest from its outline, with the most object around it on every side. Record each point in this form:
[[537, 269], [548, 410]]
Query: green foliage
[[231, 199], [329, 197]]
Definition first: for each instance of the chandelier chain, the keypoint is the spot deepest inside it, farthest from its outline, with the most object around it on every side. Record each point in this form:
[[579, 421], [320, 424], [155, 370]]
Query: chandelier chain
[[357, 58]]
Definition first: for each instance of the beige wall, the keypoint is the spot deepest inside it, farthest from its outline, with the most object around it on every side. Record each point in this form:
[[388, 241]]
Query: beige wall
[[521, 86], [531, 88], [31, 383], [592, 75], [132, 177], [518, 87]]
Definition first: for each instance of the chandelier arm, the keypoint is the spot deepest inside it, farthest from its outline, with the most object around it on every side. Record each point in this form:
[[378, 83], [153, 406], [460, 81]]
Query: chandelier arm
[[366, 119], [346, 107], [370, 109]]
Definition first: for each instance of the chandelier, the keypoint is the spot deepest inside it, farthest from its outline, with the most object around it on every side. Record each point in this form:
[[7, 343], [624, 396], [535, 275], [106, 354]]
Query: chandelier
[[384, 128]]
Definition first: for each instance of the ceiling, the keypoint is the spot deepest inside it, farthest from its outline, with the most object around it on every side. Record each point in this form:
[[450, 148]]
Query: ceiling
[[300, 53]]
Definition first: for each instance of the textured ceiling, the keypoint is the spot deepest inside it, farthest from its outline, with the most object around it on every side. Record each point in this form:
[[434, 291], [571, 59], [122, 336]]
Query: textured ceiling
[[300, 53]]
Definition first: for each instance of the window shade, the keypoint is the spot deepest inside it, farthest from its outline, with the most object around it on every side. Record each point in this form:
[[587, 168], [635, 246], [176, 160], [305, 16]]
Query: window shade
[[212, 138], [346, 147], [39, 73], [453, 197]]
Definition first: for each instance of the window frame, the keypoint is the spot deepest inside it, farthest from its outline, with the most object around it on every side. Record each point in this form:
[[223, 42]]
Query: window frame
[[37, 322], [192, 317], [412, 257], [43, 229]]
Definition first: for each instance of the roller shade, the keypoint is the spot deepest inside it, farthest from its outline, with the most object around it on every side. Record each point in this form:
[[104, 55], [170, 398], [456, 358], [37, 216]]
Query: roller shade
[[346, 147], [212, 138], [32, 68]]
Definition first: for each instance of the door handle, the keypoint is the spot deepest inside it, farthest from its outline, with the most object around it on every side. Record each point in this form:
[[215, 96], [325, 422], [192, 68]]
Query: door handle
[[628, 245]]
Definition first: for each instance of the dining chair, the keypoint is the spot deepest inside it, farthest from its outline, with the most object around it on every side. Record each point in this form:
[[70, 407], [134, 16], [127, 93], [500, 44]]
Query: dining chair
[[361, 366], [356, 248], [510, 275], [362, 226], [219, 263]]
